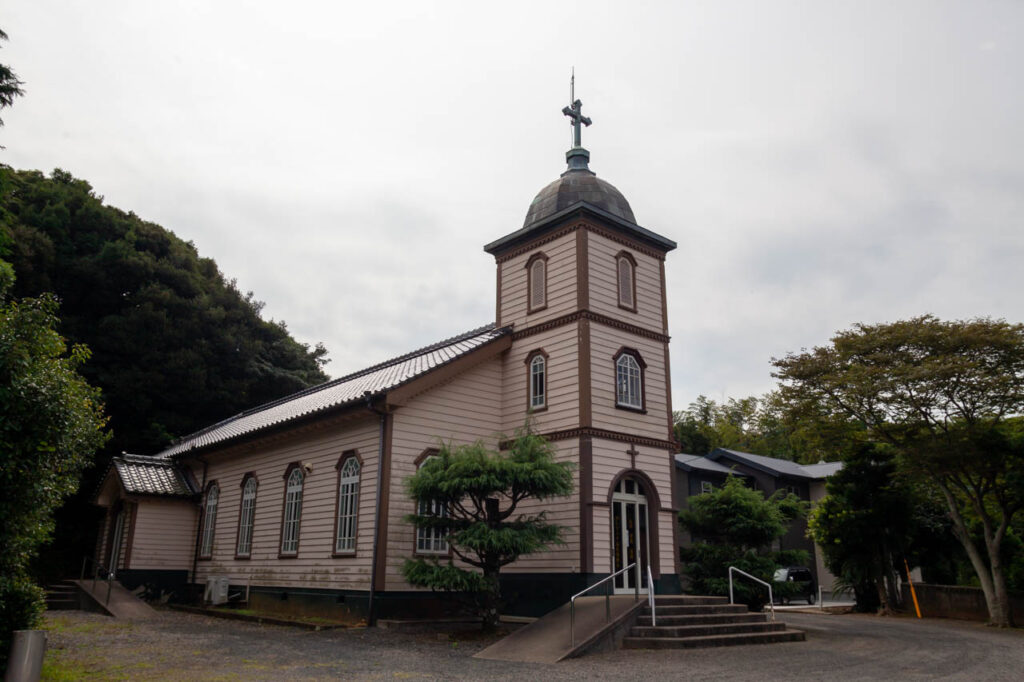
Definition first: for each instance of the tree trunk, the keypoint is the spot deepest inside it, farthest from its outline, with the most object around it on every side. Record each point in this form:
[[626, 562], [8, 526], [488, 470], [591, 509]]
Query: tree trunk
[[998, 610], [490, 601]]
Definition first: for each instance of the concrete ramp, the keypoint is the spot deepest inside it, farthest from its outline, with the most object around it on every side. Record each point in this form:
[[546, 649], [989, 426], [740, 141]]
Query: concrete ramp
[[121, 604], [547, 639]]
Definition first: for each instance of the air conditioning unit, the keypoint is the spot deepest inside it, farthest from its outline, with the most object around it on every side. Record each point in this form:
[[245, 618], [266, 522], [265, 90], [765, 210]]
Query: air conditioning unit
[[216, 590]]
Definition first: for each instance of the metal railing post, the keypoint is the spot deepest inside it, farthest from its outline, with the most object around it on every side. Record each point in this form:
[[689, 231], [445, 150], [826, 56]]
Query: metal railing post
[[110, 584], [771, 597], [85, 561], [607, 602]]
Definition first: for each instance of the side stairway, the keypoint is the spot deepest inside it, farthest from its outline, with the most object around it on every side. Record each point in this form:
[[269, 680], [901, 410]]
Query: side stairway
[[62, 596], [686, 622]]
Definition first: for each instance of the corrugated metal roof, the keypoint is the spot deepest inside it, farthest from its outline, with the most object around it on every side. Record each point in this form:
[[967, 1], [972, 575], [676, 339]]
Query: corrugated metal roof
[[822, 469], [774, 465], [356, 387], [151, 476]]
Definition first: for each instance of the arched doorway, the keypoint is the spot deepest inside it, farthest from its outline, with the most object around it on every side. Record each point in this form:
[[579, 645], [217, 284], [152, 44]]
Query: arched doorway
[[630, 538]]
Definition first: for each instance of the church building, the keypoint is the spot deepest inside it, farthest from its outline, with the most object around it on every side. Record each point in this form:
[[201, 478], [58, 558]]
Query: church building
[[302, 501]]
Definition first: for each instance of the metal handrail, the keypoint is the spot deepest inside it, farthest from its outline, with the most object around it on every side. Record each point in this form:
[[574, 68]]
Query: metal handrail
[[771, 600], [650, 596], [95, 575], [607, 601]]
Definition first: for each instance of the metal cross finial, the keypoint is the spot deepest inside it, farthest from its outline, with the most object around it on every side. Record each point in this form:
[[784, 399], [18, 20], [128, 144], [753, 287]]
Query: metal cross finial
[[575, 112]]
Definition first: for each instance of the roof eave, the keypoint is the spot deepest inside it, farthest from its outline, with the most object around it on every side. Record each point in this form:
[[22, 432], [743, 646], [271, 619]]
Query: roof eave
[[525, 233]]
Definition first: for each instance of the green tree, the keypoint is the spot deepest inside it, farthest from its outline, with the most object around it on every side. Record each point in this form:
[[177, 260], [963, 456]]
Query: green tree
[[10, 86], [51, 423], [736, 526], [870, 521], [478, 493], [175, 345], [941, 393]]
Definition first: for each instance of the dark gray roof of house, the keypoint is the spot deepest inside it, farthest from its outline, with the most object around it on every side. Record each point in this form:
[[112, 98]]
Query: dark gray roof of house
[[778, 467], [142, 475], [702, 463], [357, 387]]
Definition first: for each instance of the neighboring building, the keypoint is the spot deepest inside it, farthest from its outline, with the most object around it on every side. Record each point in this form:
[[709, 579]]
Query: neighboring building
[[304, 499], [696, 474]]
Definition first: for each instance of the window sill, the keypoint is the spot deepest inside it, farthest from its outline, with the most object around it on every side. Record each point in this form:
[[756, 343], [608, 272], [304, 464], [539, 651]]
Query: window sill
[[631, 309], [630, 408], [288, 556], [243, 557], [343, 555], [531, 311], [208, 557]]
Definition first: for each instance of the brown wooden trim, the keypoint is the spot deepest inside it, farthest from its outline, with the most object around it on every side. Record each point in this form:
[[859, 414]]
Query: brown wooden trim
[[653, 504], [497, 296], [604, 434], [241, 500], [618, 285], [344, 457], [668, 396], [530, 409], [133, 512], [403, 394], [424, 456], [626, 241], [384, 453], [202, 527], [115, 509], [582, 270], [593, 317], [597, 503], [664, 300], [284, 502], [585, 370], [538, 241], [539, 256], [625, 350], [586, 515]]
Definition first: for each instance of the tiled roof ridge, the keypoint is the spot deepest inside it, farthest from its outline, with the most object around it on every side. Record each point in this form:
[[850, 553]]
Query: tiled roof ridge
[[334, 382]]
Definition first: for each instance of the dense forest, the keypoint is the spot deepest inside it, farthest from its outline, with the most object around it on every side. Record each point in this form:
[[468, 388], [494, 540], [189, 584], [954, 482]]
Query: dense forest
[[175, 345]]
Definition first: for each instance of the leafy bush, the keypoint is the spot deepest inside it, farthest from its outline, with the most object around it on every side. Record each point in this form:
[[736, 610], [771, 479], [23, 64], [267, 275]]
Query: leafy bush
[[22, 603]]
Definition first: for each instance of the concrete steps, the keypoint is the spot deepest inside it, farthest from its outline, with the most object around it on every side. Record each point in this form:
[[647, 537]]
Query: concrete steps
[[693, 622], [62, 596]]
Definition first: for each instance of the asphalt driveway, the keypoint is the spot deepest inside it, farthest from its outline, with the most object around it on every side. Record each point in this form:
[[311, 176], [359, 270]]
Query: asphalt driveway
[[180, 646]]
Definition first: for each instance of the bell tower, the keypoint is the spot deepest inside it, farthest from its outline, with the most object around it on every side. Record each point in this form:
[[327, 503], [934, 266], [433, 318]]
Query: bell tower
[[582, 286]]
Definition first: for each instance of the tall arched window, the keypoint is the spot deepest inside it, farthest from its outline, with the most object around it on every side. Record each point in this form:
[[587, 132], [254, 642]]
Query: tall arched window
[[629, 379], [348, 504], [209, 520], [537, 282], [430, 540], [292, 511], [246, 516], [626, 266], [537, 377]]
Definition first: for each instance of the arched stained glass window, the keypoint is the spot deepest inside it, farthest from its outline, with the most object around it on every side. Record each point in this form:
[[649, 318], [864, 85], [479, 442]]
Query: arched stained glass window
[[209, 520], [348, 506], [628, 382], [292, 512], [246, 516]]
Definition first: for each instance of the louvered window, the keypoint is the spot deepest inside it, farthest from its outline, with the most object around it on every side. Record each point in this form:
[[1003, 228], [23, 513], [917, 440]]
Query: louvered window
[[537, 273], [431, 540], [348, 506], [245, 518], [292, 512], [628, 384], [209, 520], [538, 382], [627, 297]]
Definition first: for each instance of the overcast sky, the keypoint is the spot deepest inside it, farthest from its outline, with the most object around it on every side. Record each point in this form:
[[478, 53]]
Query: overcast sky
[[818, 163]]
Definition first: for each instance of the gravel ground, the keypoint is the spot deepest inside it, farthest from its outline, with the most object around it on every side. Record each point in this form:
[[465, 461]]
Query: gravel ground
[[180, 646]]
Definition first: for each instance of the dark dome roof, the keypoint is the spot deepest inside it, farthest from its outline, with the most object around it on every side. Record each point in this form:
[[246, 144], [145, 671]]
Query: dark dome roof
[[572, 187]]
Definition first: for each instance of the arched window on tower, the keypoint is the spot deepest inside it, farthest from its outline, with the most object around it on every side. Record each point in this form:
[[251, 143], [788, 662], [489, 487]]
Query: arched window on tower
[[537, 282], [537, 380], [626, 267], [629, 379]]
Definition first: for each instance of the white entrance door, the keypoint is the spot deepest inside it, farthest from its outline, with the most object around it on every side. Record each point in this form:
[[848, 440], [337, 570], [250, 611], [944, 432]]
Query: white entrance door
[[629, 536]]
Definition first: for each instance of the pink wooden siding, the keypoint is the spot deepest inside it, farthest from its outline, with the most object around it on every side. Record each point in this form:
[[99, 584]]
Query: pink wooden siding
[[561, 290], [604, 293], [313, 566], [164, 534], [561, 344], [463, 410], [604, 344]]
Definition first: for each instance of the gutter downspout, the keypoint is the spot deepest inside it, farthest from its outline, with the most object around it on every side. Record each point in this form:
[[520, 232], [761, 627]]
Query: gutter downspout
[[199, 526], [371, 615]]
